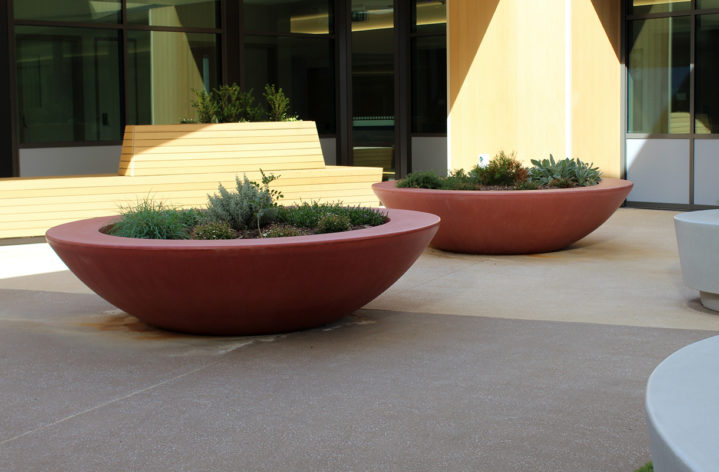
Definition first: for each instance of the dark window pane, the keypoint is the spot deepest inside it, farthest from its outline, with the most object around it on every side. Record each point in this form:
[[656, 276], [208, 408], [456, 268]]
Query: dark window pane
[[163, 68], [707, 3], [288, 16], [430, 16], [429, 84], [181, 13], [87, 11], [373, 85], [658, 88], [303, 67], [68, 84], [645, 7], [706, 75]]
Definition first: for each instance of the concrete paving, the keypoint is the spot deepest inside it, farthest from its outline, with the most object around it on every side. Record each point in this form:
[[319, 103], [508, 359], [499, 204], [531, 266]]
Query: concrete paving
[[468, 363]]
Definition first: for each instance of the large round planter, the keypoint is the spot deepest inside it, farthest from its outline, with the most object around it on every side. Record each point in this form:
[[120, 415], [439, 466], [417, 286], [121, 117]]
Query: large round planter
[[698, 242], [243, 286], [513, 221]]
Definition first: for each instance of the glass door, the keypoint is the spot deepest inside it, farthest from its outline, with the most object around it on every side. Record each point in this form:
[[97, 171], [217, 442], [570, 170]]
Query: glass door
[[373, 85]]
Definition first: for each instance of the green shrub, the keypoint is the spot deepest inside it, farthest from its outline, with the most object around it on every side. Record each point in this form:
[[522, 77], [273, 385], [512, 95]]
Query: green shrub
[[205, 106], [278, 104], [502, 170], [283, 231], [648, 467], [461, 180], [333, 223], [421, 179], [230, 104], [564, 173], [251, 205], [308, 215], [213, 230], [153, 220]]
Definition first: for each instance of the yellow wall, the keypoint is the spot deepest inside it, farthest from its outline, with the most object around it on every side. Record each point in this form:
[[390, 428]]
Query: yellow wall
[[507, 80]]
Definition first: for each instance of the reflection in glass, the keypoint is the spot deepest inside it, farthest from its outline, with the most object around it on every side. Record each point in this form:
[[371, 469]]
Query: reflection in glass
[[707, 4], [373, 84], [86, 11], [429, 84], [706, 75], [180, 13], [645, 7], [303, 67], [68, 84], [658, 75], [429, 16], [163, 68], [288, 16]]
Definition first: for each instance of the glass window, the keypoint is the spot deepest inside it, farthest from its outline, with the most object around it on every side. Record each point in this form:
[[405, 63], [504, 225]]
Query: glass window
[[163, 69], [645, 7], [288, 16], [429, 16], [181, 13], [429, 84], [706, 75], [68, 84], [658, 71], [86, 11], [303, 67], [707, 4]]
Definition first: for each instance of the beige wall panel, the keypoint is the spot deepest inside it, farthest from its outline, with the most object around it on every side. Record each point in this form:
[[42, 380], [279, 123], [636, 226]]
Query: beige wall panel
[[596, 71], [507, 80]]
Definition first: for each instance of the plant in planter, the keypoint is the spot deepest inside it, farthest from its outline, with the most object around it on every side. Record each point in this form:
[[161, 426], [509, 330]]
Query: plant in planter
[[504, 208], [230, 104], [252, 283]]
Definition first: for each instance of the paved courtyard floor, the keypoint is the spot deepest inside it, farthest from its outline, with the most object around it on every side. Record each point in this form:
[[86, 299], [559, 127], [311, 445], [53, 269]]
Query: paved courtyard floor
[[468, 363]]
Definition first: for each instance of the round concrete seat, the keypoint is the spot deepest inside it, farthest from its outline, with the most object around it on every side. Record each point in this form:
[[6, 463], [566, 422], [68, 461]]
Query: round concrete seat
[[682, 404], [698, 241]]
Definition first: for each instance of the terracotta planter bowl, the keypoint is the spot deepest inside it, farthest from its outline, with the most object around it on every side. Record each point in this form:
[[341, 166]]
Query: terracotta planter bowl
[[510, 222], [243, 287]]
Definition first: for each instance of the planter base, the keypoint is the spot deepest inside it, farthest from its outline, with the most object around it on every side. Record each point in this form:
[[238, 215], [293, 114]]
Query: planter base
[[510, 222], [709, 300], [243, 286]]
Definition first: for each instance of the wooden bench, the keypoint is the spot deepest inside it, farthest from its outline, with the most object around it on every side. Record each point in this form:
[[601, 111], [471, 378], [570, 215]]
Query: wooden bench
[[180, 165]]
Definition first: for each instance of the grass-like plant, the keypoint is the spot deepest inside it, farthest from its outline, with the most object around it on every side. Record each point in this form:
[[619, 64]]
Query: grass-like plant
[[154, 220], [648, 467]]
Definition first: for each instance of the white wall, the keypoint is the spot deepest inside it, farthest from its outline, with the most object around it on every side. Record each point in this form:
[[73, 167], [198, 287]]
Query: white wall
[[659, 169], [69, 160], [429, 153]]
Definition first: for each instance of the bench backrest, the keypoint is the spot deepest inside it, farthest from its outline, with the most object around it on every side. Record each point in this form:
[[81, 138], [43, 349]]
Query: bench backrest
[[220, 147]]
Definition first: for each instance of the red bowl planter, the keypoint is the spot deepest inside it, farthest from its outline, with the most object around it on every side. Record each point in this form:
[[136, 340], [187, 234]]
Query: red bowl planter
[[243, 287], [510, 222]]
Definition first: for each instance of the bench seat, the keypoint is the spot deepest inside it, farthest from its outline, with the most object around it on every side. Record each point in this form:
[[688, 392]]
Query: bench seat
[[29, 206]]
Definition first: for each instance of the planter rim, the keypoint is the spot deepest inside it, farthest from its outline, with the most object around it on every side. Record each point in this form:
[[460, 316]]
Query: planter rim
[[605, 184], [87, 233], [703, 217]]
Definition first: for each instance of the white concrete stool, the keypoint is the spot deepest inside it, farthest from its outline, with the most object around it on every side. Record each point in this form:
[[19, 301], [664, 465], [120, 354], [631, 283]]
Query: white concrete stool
[[698, 241], [682, 405]]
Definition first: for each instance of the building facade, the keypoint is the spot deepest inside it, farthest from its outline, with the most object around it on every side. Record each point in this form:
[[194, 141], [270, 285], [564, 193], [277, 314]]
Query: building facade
[[406, 84]]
